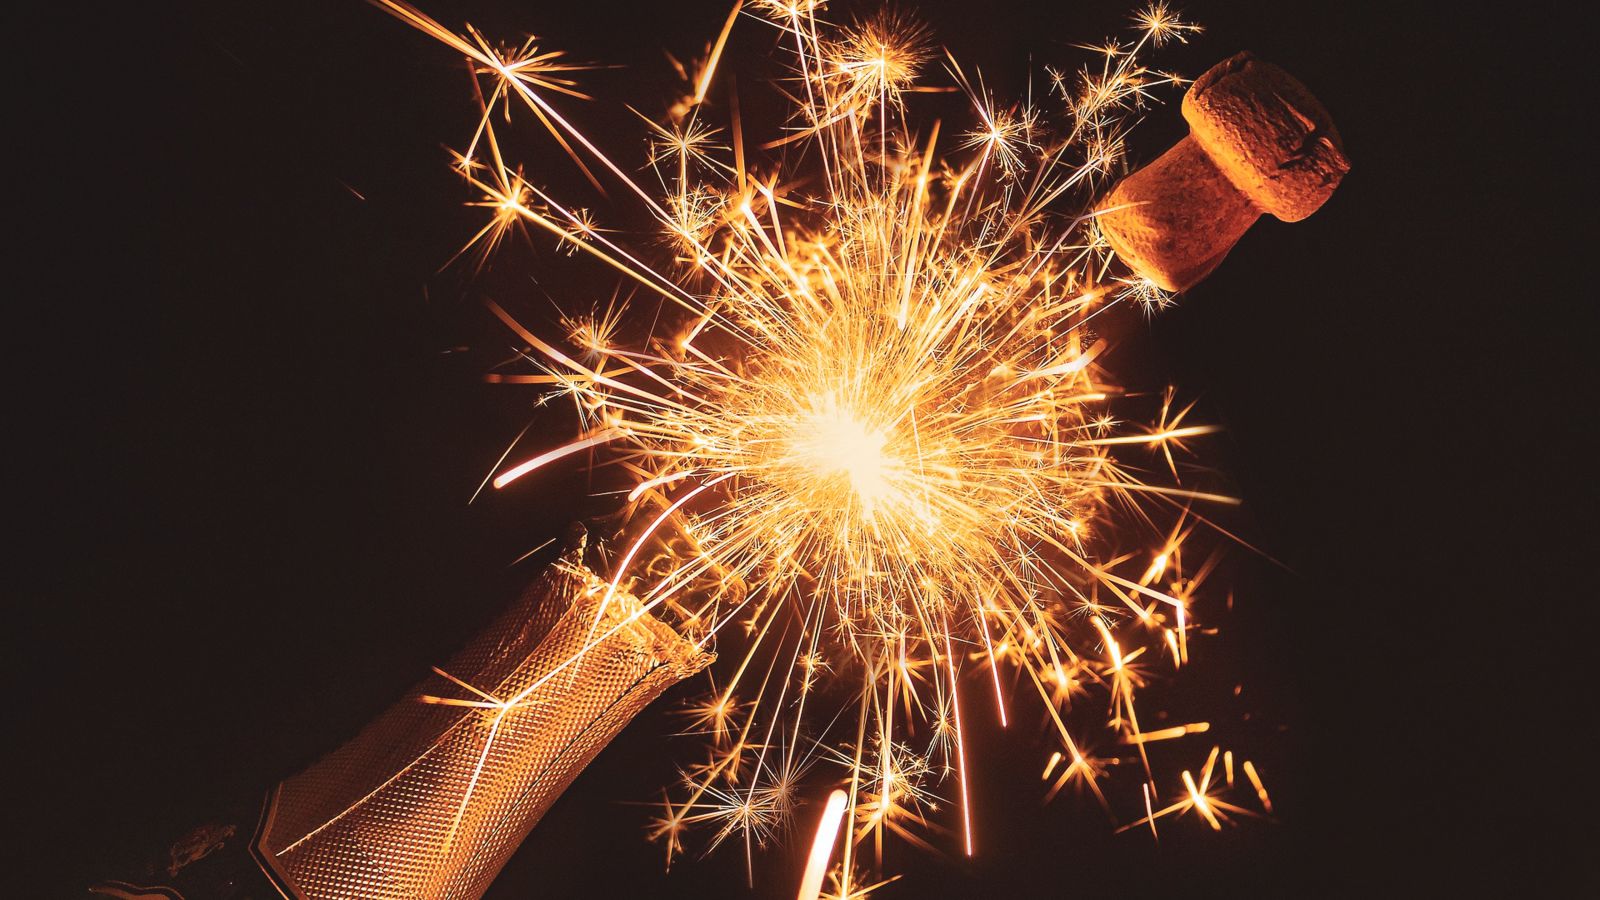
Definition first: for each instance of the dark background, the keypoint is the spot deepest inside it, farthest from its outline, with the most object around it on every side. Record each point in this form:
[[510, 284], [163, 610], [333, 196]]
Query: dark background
[[242, 509]]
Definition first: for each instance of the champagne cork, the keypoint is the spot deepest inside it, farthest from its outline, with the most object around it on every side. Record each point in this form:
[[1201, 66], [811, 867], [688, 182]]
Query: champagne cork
[[1258, 142]]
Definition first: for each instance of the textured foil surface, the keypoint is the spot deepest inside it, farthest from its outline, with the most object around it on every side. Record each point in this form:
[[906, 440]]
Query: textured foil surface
[[431, 799]]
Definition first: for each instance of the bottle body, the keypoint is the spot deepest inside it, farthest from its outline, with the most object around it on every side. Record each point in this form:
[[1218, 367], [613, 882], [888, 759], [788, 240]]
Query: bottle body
[[433, 796]]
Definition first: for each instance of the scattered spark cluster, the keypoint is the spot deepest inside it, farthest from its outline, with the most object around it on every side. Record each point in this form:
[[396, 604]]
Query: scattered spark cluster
[[871, 443]]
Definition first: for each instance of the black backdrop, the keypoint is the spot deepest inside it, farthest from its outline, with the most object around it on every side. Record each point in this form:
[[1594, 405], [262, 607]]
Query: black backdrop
[[244, 518]]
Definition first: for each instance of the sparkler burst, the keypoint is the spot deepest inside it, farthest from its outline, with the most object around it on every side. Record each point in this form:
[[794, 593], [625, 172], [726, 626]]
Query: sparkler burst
[[875, 451]]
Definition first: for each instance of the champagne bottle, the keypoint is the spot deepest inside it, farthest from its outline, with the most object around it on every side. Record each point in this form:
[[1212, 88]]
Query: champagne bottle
[[432, 797]]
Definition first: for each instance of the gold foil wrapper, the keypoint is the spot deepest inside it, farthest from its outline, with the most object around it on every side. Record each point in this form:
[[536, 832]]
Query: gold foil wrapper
[[430, 800]]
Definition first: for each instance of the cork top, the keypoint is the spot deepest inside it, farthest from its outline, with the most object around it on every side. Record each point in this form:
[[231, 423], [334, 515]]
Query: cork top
[[1267, 134]]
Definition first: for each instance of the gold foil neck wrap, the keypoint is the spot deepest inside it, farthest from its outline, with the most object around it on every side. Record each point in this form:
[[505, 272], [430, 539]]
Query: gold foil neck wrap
[[431, 799]]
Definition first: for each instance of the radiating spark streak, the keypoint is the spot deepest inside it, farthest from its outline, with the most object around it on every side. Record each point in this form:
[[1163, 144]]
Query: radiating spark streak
[[661, 481], [1050, 766], [627, 559], [517, 471], [1167, 734], [1183, 632], [994, 670], [1156, 437], [472, 781], [1255, 781], [822, 846], [1149, 812], [1172, 645], [536, 549], [1175, 492], [961, 745], [855, 777], [490, 698], [716, 55], [497, 463]]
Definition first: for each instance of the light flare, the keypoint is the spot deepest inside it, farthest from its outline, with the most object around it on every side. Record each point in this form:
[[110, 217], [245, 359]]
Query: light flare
[[822, 845]]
